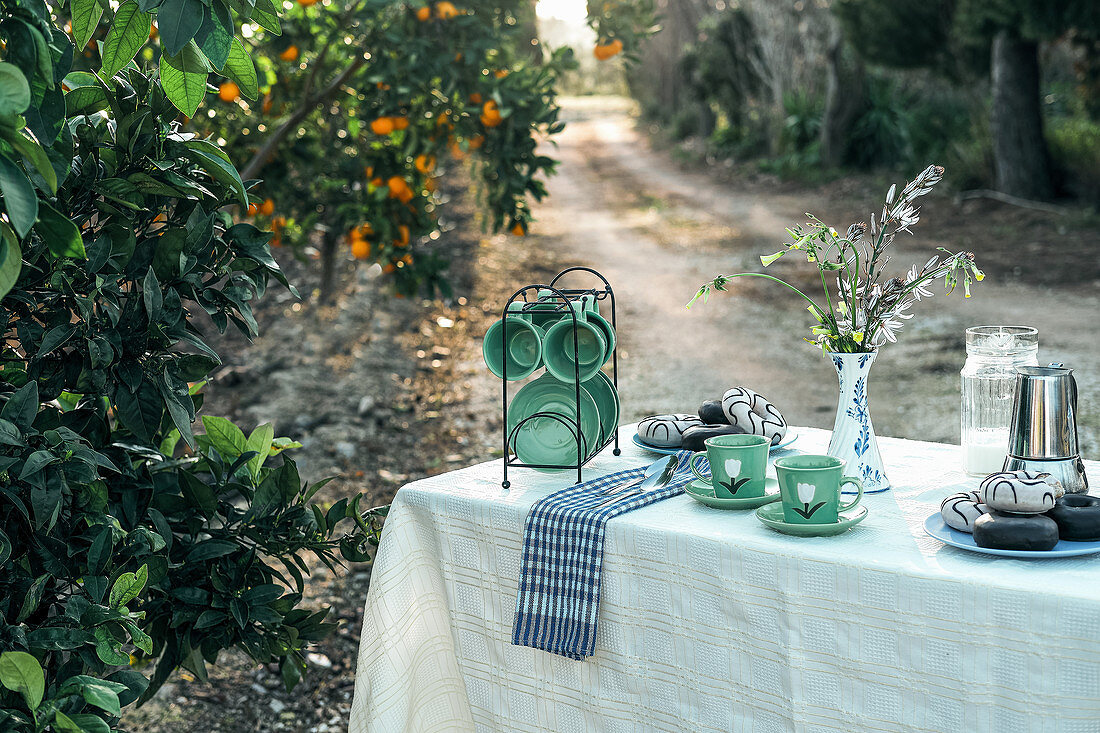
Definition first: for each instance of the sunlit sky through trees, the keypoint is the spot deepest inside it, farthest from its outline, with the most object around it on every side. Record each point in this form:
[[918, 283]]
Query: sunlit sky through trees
[[570, 10]]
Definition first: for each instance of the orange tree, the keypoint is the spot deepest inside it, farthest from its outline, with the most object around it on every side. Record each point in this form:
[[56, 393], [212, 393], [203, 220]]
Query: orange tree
[[125, 533], [363, 103]]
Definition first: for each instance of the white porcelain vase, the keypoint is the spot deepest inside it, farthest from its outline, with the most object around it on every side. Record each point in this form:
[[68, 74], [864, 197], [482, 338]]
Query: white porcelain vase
[[853, 436]]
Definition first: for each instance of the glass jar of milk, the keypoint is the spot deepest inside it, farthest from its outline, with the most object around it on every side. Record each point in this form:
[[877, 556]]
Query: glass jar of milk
[[988, 383]]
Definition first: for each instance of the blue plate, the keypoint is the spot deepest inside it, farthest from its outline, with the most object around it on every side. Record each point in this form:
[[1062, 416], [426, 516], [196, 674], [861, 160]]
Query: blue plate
[[792, 434], [936, 527]]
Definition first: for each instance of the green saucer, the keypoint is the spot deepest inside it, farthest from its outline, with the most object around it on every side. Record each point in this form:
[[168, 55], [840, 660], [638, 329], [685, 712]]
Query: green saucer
[[703, 492], [545, 440], [772, 515], [607, 402]]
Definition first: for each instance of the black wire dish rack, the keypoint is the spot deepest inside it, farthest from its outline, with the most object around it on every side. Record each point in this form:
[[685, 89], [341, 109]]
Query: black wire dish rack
[[538, 297]]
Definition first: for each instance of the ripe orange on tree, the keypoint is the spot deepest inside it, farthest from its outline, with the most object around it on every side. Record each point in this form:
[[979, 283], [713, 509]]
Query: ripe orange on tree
[[267, 104], [307, 3], [475, 98], [290, 53], [382, 126], [445, 10], [253, 209], [424, 13], [490, 114], [425, 163], [399, 189], [605, 51], [476, 142], [518, 230], [403, 236], [267, 208], [360, 249], [229, 92], [400, 123]]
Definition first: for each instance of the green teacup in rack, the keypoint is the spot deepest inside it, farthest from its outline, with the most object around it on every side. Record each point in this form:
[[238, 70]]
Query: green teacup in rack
[[564, 357], [523, 350]]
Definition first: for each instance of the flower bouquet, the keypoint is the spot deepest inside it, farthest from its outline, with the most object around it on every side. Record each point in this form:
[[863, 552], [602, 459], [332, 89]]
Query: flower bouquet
[[868, 307]]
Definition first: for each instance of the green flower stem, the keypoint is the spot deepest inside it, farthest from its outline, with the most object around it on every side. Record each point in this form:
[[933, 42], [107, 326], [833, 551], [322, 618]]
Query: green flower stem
[[816, 307]]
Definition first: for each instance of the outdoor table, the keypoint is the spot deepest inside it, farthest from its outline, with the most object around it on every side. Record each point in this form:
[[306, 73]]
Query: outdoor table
[[710, 621]]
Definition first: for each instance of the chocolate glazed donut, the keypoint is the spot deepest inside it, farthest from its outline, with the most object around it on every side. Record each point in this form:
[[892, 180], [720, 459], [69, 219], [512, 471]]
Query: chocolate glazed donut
[[1078, 517], [752, 412]]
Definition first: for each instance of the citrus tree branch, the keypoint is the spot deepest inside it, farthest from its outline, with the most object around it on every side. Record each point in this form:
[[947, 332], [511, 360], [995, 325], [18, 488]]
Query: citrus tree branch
[[260, 159]]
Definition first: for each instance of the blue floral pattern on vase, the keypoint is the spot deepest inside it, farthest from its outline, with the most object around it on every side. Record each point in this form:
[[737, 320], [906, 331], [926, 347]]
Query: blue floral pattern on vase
[[853, 437]]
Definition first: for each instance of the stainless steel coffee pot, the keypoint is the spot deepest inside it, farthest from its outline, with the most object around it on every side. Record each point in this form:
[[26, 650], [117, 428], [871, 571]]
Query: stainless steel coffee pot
[[1043, 436]]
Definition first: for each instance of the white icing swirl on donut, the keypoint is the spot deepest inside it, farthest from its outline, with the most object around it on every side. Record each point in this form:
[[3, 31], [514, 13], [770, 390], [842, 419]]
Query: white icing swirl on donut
[[1021, 492], [960, 511], [666, 431], [752, 412]]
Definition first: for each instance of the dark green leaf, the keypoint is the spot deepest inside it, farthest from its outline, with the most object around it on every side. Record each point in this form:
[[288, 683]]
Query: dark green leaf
[[152, 295], [20, 200], [108, 649], [55, 338], [141, 411], [259, 441], [22, 406], [59, 233], [101, 696], [178, 21], [20, 672], [33, 152], [239, 609], [15, 93], [216, 34], [184, 77], [36, 462], [85, 19], [199, 494], [129, 32], [226, 437], [13, 259], [33, 598], [128, 586], [213, 161], [210, 549], [58, 638], [239, 68]]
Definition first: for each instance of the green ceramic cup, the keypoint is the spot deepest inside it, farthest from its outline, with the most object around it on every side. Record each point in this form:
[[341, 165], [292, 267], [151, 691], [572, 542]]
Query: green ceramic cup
[[523, 351], [547, 310], [809, 486], [558, 347], [737, 465]]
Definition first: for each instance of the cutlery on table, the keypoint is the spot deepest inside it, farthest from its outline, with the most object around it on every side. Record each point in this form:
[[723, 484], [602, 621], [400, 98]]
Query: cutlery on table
[[650, 483], [653, 469]]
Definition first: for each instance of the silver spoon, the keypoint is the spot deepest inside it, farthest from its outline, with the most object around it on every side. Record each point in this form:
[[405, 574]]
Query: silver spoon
[[653, 469], [652, 483]]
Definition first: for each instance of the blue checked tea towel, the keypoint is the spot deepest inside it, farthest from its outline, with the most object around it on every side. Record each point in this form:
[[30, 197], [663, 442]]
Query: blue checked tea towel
[[559, 587]]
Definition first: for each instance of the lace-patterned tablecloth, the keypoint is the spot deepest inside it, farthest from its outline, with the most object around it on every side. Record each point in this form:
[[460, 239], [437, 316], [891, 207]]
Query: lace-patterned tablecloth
[[709, 621]]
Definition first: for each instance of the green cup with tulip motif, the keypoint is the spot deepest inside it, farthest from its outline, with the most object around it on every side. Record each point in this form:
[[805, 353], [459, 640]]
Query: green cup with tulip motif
[[737, 465], [809, 487]]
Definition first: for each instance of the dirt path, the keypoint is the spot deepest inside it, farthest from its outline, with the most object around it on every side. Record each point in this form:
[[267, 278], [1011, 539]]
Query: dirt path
[[657, 231]]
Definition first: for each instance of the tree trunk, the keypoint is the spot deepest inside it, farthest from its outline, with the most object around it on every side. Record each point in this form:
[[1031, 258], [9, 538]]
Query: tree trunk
[[329, 246], [843, 98], [1020, 157]]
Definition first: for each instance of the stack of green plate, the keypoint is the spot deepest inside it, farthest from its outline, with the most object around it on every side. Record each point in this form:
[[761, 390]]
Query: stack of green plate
[[542, 419]]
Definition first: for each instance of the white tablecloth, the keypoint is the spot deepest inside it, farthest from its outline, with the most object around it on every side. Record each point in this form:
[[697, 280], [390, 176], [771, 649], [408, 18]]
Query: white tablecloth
[[710, 621]]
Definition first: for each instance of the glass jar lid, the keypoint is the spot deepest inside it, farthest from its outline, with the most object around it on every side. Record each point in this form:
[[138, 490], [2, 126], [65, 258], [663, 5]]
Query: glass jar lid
[[1001, 340]]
